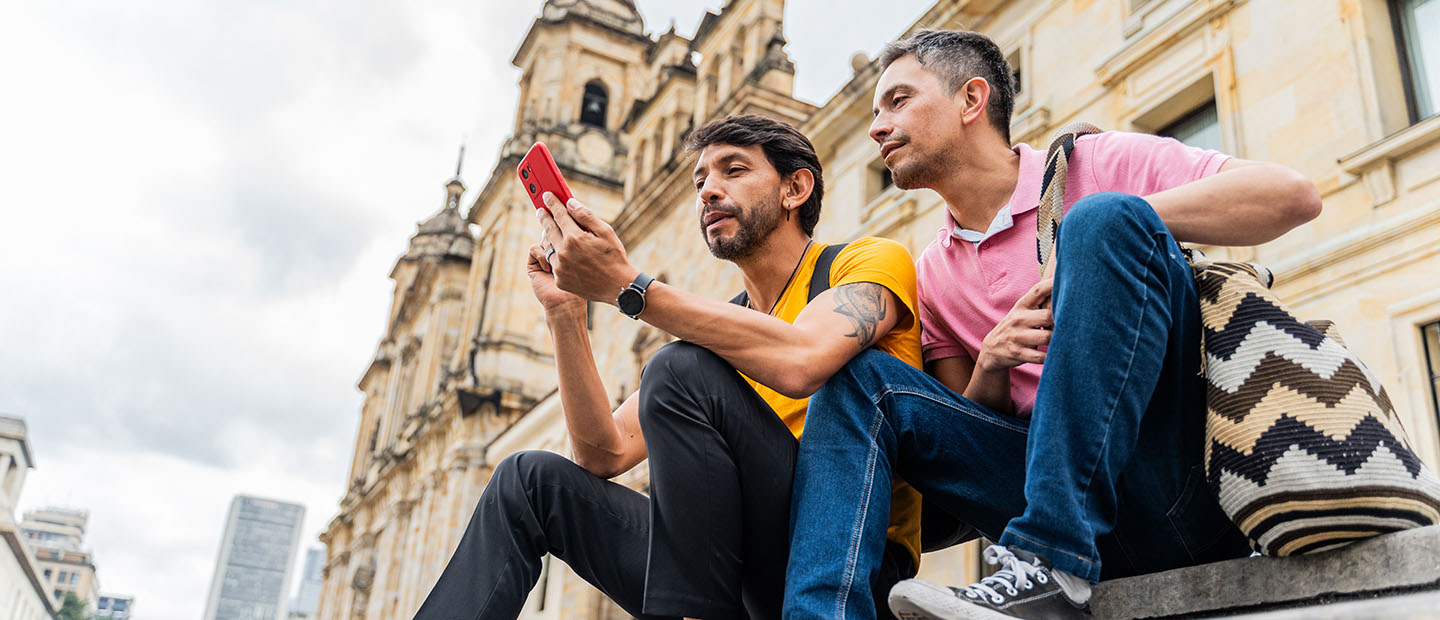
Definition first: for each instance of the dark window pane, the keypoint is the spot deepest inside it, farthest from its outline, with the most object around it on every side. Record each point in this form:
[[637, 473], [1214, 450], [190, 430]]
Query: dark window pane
[[1200, 128], [1432, 347], [593, 104], [1014, 61], [1431, 335], [1420, 31]]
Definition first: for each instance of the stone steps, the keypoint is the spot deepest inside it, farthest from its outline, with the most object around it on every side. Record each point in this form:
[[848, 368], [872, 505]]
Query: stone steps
[[1395, 569]]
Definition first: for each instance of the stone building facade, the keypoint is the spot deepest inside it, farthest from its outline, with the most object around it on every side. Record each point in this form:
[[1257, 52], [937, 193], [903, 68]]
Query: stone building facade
[[57, 536], [25, 588], [464, 373]]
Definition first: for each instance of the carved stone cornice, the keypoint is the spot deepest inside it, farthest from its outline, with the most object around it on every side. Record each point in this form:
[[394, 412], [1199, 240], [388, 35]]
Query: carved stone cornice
[[1146, 44], [464, 456], [404, 507], [338, 558], [559, 12], [1375, 164]]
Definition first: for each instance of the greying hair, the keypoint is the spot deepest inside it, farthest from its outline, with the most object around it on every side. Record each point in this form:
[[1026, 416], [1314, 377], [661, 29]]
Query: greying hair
[[957, 56]]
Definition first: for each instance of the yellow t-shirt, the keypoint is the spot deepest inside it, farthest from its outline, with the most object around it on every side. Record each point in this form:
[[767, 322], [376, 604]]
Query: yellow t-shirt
[[888, 264]]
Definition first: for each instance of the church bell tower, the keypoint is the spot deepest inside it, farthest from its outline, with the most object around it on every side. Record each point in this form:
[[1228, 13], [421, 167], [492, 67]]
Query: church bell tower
[[581, 67]]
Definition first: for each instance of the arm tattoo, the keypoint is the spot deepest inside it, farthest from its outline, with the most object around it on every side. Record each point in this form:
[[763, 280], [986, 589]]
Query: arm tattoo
[[864, 304]]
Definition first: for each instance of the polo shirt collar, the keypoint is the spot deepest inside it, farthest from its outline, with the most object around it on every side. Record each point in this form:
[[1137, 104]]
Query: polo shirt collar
[[1024, 199]]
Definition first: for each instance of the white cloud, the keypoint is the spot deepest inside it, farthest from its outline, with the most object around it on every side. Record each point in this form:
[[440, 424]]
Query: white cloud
[[199, 203]]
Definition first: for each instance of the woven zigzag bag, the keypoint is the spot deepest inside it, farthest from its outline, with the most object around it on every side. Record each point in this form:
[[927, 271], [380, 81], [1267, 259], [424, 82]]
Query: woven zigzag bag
[[1303, 447]]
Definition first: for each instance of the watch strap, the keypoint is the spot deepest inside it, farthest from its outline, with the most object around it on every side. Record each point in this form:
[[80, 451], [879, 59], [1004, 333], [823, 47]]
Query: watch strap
[[637, 289], [642, 282]]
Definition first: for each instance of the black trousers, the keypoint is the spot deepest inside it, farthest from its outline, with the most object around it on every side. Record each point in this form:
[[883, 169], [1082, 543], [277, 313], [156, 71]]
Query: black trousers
[[711, 541]]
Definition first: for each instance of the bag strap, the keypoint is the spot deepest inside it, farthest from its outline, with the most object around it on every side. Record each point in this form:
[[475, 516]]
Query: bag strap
[[819, 280], [1052, 188]]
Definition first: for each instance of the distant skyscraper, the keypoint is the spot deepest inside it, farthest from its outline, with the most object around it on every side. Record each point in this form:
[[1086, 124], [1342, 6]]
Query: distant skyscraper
[[257, 552], [116, 607], [311, 579]]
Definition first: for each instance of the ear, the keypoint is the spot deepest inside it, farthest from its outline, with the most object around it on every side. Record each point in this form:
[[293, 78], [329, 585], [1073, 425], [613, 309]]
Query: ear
[[797, 188], [972, 99]]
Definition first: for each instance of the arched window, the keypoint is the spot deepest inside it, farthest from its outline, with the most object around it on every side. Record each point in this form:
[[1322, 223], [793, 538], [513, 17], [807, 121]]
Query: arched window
[[593, 105]]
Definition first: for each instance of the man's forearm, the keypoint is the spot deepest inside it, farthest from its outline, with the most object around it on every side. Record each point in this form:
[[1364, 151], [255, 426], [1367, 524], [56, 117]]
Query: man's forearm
[[593, 435], [794, 360], [1248, 203], [768, 350], [991, 388]]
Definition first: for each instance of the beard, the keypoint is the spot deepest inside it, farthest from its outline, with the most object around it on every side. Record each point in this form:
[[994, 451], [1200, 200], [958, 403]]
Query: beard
[[753, 227], [920, 170]]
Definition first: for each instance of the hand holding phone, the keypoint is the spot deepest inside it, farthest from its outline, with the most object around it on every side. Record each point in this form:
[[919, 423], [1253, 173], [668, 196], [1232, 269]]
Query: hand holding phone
[[539, 174]]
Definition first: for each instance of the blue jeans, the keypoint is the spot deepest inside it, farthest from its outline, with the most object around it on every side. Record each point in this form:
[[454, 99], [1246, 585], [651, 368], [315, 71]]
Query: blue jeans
[[1109, 466]]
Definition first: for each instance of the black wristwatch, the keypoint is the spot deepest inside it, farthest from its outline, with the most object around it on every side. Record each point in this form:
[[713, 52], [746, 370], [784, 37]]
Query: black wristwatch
[[632, 298]]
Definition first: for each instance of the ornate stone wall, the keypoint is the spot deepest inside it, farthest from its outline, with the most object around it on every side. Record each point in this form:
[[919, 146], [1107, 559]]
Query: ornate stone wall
[[464, 375]]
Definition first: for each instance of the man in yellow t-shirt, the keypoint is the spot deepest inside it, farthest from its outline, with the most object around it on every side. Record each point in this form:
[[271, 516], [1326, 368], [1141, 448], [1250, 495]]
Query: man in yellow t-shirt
[[718, 414]]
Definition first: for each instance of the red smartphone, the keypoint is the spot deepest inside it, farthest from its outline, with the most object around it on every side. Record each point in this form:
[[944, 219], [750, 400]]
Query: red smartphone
[[539, 174]]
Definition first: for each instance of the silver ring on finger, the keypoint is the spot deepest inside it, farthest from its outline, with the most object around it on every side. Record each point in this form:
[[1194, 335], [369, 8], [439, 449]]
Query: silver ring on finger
[[548, 254]]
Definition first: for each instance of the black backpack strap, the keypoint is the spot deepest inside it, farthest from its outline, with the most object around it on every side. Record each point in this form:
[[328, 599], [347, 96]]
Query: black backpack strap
[[820, 279]]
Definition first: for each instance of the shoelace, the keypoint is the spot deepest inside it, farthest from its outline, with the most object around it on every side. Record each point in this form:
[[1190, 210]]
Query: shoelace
[[1014, 575]]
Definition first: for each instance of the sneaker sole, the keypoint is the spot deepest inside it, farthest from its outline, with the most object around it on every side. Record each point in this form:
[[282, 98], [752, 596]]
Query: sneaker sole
[[917, 600]]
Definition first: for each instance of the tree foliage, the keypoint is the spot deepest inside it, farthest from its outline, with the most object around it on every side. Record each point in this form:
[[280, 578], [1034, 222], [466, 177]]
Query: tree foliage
[[72, 609]]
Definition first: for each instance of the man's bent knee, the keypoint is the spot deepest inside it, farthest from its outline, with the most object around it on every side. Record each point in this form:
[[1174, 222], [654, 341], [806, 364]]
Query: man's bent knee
[[862, 372], [1108, 224], [1092, 216], [680, 360], [676, 375], [866, 365], [526, 470]]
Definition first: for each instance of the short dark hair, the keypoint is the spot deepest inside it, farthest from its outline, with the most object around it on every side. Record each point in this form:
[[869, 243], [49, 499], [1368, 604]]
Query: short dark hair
[[786, 148], [957, 56]]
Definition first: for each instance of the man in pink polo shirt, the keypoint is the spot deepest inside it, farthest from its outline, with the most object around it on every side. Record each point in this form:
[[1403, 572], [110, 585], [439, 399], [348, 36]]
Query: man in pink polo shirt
[[1064, 417]]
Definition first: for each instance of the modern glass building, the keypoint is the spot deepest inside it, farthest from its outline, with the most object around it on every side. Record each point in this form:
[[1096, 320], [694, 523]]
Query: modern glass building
[[312, 577], [257, 552]]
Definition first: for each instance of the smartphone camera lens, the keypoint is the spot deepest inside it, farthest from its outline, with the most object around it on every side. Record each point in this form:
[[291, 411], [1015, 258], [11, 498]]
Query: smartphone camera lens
[[532, 188], [525, 174]]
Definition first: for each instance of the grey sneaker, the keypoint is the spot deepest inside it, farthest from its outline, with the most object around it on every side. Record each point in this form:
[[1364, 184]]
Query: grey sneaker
[[1026, 586]]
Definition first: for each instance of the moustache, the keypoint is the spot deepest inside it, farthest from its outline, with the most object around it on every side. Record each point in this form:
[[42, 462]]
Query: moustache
[[896, 139], [720, 207]]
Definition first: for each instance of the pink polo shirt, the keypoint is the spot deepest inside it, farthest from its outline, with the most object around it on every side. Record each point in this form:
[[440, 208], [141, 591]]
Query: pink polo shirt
[[966, 287]]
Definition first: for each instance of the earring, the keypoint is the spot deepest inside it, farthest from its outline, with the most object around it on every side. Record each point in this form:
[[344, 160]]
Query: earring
[[787, 215]]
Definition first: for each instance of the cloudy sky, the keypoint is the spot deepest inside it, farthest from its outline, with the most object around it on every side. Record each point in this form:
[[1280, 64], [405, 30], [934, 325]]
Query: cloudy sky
[[199, 204]]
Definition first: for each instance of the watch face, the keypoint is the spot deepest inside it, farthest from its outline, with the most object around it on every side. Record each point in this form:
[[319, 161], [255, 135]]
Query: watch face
[[631, 302]]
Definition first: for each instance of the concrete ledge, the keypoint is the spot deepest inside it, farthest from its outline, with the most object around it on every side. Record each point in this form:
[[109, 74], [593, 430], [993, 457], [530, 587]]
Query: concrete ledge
[[1404, 561], [1422, 605]]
